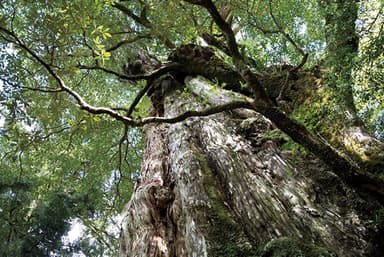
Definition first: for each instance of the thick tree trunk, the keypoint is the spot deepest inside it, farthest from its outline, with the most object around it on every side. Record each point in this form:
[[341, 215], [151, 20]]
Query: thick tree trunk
[[218, 186]]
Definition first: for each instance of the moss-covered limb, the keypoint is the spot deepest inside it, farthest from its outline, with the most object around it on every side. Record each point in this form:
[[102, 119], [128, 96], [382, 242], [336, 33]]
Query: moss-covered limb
[[314, 105], [346, 170], [343, 168], [299, 133]]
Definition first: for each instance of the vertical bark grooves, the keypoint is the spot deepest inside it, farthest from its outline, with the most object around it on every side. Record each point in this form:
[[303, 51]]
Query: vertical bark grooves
[[147, 230], [204, 220]]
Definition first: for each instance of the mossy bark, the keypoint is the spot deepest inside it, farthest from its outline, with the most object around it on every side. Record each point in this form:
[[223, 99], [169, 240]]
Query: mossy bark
[[341, 17], [308, 97], [207, 189]]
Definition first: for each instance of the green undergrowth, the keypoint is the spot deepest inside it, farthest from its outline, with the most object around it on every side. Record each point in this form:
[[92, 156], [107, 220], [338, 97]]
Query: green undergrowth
[[288, 247]]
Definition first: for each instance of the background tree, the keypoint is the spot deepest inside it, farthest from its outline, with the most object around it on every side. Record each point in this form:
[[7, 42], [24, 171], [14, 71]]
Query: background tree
[[269, 136]]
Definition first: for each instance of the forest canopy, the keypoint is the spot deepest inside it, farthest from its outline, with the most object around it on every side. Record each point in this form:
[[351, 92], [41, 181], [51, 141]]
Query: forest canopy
[[73, 96]]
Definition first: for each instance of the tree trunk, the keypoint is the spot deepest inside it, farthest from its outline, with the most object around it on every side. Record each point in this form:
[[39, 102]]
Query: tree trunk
[[220, 186]]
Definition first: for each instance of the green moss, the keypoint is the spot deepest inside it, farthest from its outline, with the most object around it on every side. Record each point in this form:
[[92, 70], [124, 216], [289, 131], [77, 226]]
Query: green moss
[[274, 135], [288, 247]]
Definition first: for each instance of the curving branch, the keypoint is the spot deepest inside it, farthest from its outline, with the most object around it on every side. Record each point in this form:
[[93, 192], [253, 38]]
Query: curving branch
[[80, 101], [209, 111], [289, 38], [143, 20], [113, 113], [129, 41]]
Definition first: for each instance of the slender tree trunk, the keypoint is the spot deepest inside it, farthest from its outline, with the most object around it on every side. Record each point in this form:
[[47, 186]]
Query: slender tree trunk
[[219, 186]]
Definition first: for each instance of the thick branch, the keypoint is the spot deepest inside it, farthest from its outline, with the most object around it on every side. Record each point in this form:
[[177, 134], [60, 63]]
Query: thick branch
[[222, 24], [296, 131], [239, 61], [213, 41]]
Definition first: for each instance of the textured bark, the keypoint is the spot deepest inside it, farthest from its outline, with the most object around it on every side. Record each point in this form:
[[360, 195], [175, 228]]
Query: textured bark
[[215, 186]]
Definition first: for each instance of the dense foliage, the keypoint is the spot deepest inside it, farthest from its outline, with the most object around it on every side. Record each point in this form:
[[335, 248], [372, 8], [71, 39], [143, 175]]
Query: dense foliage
[[60, 165]]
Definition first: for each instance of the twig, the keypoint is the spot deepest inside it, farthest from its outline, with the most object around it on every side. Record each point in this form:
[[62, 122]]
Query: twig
[[289, 38], [42, 90], [128, 41], [143, 20]]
